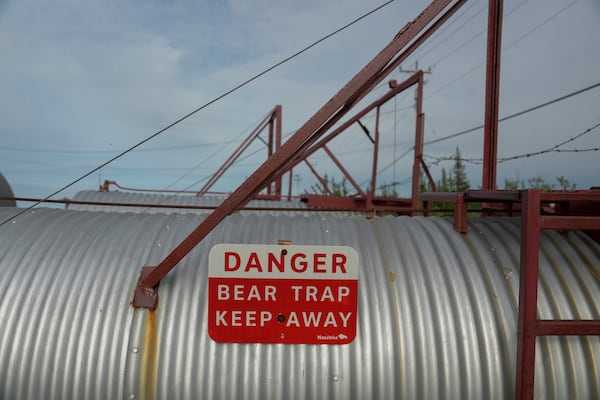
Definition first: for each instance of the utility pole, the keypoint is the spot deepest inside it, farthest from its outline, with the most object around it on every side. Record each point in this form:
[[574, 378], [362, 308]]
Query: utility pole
[[407, 71], [412, 71]]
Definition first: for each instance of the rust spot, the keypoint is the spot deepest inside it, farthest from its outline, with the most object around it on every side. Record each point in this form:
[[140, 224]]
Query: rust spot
[[149, 366], [144, 296]]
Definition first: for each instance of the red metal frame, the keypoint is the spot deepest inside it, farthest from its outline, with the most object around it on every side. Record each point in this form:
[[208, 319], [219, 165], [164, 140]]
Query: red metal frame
[[354, 184], [530, 327], [271, 120], [572, 210], [366, 79], [368, 201], [492, 94]]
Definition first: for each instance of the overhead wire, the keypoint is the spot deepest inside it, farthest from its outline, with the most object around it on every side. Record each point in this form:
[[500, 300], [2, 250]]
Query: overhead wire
[[206, 159], [517, 114], [87, 151], [504, 48], [438, 33], [478, 34], [479, 161], [508, 46], [446, 37], [553, 149], [202, 107], [528, 110]]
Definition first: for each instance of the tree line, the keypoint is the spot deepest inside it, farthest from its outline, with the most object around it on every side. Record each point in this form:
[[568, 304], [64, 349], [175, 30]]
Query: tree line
[[453, 179]]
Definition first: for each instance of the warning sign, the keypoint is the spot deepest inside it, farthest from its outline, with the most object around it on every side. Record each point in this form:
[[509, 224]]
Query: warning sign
[[282, 294]]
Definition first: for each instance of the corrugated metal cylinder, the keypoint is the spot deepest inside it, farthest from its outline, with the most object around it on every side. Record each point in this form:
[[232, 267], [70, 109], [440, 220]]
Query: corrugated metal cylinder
[[436, 316]]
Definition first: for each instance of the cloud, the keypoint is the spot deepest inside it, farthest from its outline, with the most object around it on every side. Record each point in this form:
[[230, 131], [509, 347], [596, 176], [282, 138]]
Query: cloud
[[104, 75]]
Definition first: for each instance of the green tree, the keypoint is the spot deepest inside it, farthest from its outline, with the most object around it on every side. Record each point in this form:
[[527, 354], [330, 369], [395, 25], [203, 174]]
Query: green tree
[[459, 179], [455, 179], [452, 180], [445, 183], [537, 182], [424, 185], [337, 188], [513, 184], [387, 190], [565, 184]]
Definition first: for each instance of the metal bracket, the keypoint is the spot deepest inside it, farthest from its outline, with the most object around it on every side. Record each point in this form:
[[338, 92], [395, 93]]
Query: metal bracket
[[143, 296]]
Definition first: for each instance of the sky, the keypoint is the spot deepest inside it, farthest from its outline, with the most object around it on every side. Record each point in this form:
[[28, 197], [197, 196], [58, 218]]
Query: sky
[[82, 81]]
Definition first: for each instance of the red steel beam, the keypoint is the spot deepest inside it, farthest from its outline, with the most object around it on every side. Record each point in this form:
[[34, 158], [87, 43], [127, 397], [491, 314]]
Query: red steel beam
[[394, 64], [418, 152], [576, 195], [337, 162], [425, 168], [278, 132], [492, 93], [317, 125], [412, 80], [403, 56], [570, 222], [442, 197], [528, 289], [373, 188], [321, 180], [273, 116], [290, 177], [568, 327], [416, 78], [494, 196]]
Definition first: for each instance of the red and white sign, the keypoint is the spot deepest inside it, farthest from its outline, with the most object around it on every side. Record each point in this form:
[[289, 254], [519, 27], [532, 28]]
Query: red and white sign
[[282, 294]]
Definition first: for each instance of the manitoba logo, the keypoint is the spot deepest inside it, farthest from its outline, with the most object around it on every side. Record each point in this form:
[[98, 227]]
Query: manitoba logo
[[341, 336]]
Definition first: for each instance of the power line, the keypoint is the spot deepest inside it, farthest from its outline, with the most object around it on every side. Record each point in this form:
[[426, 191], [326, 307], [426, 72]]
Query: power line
[[224, 145], [575, 93], [552, 149], [214, 154], [555, 148], [455, 50], [479, 161], [186, 116], [87, 151], [535, 28], [537, 107], [513, 43], [445, 37], [517, 114]]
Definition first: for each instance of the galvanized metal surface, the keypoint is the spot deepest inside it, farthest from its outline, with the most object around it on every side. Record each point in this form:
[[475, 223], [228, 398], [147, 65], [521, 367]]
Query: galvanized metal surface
[[437, 311]]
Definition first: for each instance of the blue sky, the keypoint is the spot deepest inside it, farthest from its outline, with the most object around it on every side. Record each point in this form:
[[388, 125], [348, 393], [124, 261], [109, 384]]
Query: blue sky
[[83, 80]]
